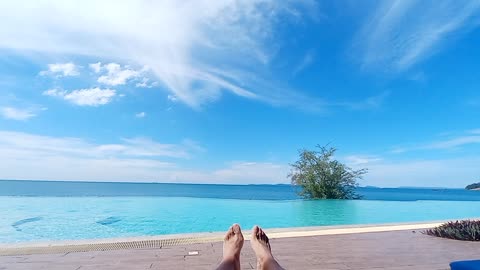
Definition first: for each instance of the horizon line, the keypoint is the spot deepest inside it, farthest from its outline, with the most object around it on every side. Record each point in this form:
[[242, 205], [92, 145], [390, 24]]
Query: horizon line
[[223, 184]]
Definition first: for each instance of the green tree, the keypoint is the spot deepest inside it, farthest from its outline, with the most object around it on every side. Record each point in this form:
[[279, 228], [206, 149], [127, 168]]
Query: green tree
[[320, 176]]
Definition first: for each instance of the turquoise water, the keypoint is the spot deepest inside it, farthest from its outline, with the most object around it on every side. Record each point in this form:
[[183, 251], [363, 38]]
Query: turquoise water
[[62, 218], [43, 211]]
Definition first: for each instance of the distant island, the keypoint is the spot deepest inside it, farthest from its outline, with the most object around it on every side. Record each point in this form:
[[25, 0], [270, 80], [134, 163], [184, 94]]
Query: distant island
[[474, 186]]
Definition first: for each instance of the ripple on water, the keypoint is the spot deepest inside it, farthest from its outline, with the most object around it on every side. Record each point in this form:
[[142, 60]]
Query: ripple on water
[[17, 225], [109, 221]]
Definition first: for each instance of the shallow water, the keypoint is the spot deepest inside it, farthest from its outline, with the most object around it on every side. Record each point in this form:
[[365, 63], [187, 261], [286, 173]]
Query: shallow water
[[62, 218]]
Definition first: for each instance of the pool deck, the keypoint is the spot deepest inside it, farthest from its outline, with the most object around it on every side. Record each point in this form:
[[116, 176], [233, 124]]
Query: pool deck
[[394, 247]]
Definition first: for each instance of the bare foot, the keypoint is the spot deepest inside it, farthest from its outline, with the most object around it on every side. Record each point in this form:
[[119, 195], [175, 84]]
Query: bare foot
[[261, 247], [232, 245]]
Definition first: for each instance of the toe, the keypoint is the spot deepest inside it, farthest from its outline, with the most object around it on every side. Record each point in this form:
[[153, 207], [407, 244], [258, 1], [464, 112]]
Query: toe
[[229, 233], [261, 233], [255, 232], [236, 229]]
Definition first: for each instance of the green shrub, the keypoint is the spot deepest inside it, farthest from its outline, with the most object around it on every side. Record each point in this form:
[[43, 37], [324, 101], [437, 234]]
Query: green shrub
[[467, 230], [320, 176]]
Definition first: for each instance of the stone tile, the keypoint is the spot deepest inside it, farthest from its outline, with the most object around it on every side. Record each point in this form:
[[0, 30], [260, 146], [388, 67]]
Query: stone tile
[[399, 250]]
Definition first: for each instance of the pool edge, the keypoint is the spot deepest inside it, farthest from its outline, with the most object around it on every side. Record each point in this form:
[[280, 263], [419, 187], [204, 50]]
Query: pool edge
[[160, 241]]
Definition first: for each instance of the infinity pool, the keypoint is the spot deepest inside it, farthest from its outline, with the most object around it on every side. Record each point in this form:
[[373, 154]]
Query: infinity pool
[[64, 218]]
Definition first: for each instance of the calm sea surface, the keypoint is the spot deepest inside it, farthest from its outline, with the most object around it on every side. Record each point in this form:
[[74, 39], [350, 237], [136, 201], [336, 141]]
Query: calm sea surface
[[43, 211], [242, 192]]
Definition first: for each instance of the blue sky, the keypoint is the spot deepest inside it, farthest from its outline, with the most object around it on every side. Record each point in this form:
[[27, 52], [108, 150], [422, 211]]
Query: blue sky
[[228, 91]]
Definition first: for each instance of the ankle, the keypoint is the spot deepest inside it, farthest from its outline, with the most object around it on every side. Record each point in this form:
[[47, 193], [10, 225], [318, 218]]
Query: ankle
[[266, 259], [232, 257]]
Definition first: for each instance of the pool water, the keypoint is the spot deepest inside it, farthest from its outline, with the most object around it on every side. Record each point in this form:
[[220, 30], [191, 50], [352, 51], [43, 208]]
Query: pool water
[[67, 218]]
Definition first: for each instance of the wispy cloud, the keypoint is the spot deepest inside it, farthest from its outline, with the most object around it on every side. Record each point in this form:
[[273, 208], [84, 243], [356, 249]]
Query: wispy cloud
[[401, 33], [20, 114], [263, 172], [468, 138], [385, 171], [31, 156], [475, 131], [452, 172], [140, 115], [84, 97], [307, 60], [209, 35], [454, 142], [362, 160], [172, 98], [61, 70], [369, 103], [21, 143]]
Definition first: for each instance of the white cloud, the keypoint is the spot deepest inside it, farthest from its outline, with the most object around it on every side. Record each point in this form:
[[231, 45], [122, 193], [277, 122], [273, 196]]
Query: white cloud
[[253, 172], [455, 173], [361, 160], [369, 103], [468, 138], [17, 114], [454, 142], [172, 98], [61, 70], [140, 115], [116, 75], [427, 172], [55, 93], [30, 156], [84, 97], [96, 67], [402, 32], [216, 46], [307, 60], [145, 83], [128, 148]]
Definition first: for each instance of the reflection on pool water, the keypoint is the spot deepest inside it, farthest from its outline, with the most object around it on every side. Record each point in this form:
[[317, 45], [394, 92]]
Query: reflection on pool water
[[63, 218]]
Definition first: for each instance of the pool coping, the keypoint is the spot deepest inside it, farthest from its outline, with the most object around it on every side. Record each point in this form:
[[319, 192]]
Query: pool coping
[[159, 241]]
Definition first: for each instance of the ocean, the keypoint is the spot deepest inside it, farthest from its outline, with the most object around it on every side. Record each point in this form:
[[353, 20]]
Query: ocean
[[242, 192]]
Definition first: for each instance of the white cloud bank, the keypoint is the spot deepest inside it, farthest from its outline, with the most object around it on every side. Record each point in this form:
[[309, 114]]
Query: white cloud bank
[[30, 156], [84, 97], [61, 70], [196, 49]]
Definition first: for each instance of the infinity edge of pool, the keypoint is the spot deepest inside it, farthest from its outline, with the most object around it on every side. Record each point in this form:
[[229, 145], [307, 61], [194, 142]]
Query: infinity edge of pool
[[210, 237]]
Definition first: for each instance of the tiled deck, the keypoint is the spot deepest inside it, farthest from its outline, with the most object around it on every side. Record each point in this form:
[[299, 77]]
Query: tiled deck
[[395, 250]]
